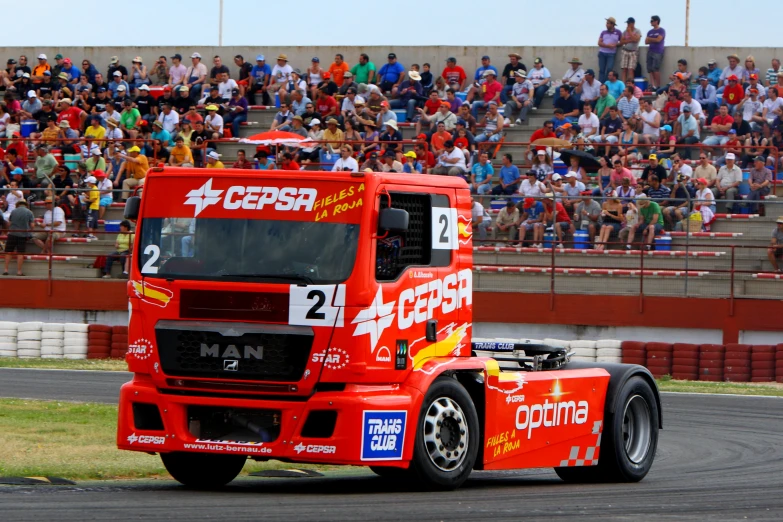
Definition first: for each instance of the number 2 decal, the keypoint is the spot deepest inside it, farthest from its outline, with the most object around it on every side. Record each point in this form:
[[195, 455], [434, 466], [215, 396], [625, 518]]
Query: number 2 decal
[[444, 228], [149, 267], [316, 305], [313, 313]]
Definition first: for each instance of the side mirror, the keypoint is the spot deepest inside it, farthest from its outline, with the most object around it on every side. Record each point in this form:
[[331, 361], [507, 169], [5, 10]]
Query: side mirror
[[393, 220], [132, 206]]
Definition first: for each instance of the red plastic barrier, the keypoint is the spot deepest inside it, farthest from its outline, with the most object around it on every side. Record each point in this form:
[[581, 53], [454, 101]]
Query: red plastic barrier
[[711, 362], [659, 358], [736, 366], [634, 352], [685, 361], [779, 363]]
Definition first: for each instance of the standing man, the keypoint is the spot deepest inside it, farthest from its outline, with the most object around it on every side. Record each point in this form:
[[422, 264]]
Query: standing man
[[655, 39], [20, 222], [629, 51], [608, 42]]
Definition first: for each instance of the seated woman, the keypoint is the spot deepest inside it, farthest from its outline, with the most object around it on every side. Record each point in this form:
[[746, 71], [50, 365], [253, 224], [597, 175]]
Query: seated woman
[[612, 220]]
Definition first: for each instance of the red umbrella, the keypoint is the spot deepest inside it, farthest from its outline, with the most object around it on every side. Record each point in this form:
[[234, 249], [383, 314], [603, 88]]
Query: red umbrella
[[277, 137]]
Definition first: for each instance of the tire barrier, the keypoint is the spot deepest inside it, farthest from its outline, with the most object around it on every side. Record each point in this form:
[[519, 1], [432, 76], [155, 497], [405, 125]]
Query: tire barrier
[[685, 361], [52, 340], [75, 340], [28, 340], [583, 350], [711, 362], [761, 359], [634, 352], [8, 333], [736, 365], [98, 341], [609, 351], [119, 342], [659, 359], [779, 363]]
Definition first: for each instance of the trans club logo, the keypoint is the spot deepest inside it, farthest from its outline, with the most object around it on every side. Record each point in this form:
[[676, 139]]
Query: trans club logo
[[383, 434]]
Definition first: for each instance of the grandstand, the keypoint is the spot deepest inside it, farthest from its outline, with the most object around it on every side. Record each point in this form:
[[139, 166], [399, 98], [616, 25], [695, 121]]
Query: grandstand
[[728, 261]]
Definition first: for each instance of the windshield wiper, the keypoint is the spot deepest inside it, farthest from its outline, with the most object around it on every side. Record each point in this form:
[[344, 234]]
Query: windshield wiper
[[289, 277]]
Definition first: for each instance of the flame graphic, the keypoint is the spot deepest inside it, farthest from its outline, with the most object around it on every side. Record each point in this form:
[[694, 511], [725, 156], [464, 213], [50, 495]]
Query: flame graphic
[[154, 295], [465, 230]]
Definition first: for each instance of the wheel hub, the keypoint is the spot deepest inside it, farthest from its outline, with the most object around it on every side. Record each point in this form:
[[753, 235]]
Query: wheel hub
[[446, 434], [636, 429]]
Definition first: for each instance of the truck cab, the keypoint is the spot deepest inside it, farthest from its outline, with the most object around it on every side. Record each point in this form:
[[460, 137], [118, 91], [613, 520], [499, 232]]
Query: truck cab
[[327, 317]]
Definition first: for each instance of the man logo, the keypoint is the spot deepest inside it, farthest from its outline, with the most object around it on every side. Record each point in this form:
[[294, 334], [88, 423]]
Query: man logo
[[230, 365], [383, 355]]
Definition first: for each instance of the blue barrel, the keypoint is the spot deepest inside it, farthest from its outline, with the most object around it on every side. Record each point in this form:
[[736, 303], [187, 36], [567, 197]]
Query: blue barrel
[[641, 83], [663, 243], [28, 127], [581, 239], [743, 189], [277, 100], [402, 115], [461, 95], [549, 239]]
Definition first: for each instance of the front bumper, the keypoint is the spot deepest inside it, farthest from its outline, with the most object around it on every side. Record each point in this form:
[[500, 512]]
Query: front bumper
[[356, 407]]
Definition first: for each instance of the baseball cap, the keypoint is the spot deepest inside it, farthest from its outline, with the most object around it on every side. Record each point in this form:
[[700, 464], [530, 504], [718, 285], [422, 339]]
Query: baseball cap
[[703, 78], [120, 88], [144, 88], [410, 154], [531, 173], [541, 152], [31, 94], [316, 59], [687, 108], [462, 122], [529, 202], [260, 58], [315, 121], [117, 73], [90, 179], [510, 203], [702, 180], [759, 158], [667, 128], [58, 56], [451, 59], [485, 57], [732, 131], [134, 149], [570, 175], [730, 156], [391, 55], [177, 56], [214, 155], [653, 157], [556, 177], [590, 72], [711, 62], [631, 20], [42, 56], [195, 55], [17, 172]]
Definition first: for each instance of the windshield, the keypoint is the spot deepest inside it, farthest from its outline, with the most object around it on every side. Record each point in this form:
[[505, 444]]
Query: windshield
[[262, 250]]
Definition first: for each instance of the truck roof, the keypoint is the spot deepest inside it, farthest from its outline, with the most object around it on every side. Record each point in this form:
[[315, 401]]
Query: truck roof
[[426, 180]]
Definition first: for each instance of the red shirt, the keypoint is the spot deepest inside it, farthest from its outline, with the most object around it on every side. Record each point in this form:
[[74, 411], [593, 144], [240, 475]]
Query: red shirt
[[454, 74], [562, 215], [490, 90], [291, 165], [728, 120], [428, 159], [326, 105], [461, 142], [72, 114], [733, 94], [537, 135], [432, 106], [672, 110]]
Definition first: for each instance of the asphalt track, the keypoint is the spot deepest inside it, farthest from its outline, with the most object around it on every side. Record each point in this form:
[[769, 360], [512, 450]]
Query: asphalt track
[[719, 458]]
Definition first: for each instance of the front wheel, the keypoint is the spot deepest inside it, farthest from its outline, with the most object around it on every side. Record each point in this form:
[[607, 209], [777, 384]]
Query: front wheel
[[447, 437], [203, 470]]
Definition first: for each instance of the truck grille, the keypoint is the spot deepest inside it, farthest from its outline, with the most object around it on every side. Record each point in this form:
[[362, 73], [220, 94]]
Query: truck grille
[[233, 350]]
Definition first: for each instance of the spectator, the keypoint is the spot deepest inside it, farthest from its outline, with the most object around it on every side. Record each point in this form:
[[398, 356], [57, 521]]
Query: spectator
[[733, 69], [587, 214], [281, 77], [93, 202], [95, 162], [136, 167], [671, 111], [490, 93], [481, 220], [760, 182], [493, 125], [589, 89], [53, 225], [123, 246], [605, 100], [614, 85], [451, 161], [547, 131], [314, 76], [237, 112], [509, 177], [390, 163], [687, 130], [678, 208], [532, 218], [412, 163], [721, 124], [390, 75], [455, 75], [364, 71], [696, 109], [656, 40], [705, 170], [20, 222], [572, 78], [481, 175], [772, 73], [182, 156], [540, 77], [213, 160], [348, 84], [479, 79], [345, 162], [282, 118], [372, 164], [608, 42], [410, 92], [733, 93], [611, 127], [555, 216], [653, 168], [729, 178], [751, 108], [519, 100], [629, 49], [774, 252], [105, 194], [568, 103], [628, 104], [507, 78], [531, 186], [750, 68], [572, 192], [588, 122], [772, 108], [753, 83], [612, 219], [506, 224], [650, 222]]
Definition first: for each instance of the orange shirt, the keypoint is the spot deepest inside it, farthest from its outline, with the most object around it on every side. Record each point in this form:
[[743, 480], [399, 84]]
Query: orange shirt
[[38, 70], [439, 139], [337, 72]]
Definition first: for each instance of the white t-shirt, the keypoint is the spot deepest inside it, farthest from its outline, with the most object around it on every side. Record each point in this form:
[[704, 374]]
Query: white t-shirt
[[478, 211], [52, 216], [215, 120], [588, 125], [647, 118], [106, 186], [686, 170], [696, 109], [454, 154], [750, 108], [177, 72], [225, 88], [11, 198], [772, 106], [705, 194], [762, 91], [4, 121], [532, 190], [169, 121], [282, 74], [349, 163]]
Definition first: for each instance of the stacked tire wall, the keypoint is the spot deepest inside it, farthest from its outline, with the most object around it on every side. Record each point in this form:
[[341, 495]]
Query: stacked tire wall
[[119, 341], [35, 339]]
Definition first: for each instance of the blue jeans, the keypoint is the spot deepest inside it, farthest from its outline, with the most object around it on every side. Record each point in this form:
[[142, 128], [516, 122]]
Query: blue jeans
[[409, 106], [474, 108], [538, 97], [235, 120], [605, 64], [505, 94], [481, 138]]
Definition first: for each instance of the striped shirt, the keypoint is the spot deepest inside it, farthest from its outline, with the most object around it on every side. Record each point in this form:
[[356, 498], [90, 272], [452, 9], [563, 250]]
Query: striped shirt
[[628, 107], [772, 76]]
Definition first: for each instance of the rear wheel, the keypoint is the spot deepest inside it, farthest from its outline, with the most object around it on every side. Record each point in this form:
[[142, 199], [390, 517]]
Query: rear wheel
[[203, 470], [629, 440], [447, 437]]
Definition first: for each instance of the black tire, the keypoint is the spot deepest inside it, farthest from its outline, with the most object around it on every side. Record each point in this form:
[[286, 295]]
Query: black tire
[[629, 440], [203, 470], [389, 473], [447, 414]]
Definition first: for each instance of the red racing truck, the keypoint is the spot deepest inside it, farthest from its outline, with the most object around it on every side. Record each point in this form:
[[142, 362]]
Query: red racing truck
[[327, 318]]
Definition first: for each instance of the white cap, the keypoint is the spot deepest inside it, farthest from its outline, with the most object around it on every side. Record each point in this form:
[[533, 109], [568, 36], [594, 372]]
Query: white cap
[[31, 94], [641, 196], [556, 177], [569, 175], [120, 87], [144, 87], [730, 156], [214, 155], [42, 56], [90, 179], [541, 152], [195, 55], [95, 151], [315, 121]]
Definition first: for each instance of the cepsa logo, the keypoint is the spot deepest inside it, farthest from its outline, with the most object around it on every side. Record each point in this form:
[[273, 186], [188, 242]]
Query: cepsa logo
[[252, 198]]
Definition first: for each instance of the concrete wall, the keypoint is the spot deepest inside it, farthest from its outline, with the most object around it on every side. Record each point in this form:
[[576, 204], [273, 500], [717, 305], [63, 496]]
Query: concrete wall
[[107, 317], [555, 58]]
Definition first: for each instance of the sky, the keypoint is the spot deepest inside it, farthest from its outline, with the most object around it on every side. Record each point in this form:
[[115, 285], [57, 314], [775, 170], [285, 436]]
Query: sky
[[565, 22]]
